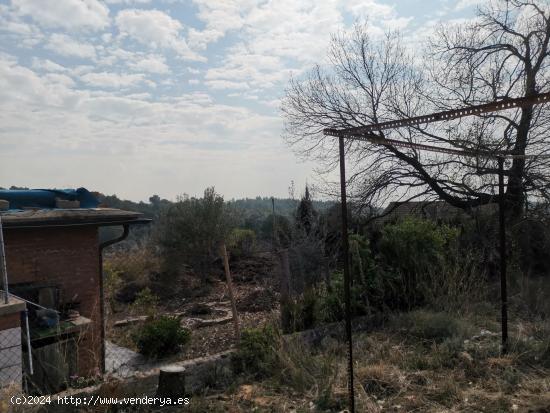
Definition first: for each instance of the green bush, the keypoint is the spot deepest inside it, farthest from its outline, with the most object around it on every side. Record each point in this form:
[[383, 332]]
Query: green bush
[[146, 303], [283, 230], [190, 230], [332, 303], [301, 312], [414, 251], [256, 353], [161, 336], [242, 242]]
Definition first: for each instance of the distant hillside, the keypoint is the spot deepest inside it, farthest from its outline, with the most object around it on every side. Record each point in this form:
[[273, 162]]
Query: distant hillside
[[252, 211], [252, 206]]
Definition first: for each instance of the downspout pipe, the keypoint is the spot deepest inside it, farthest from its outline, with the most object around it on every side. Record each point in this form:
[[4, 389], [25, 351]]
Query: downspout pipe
[[102, 246]]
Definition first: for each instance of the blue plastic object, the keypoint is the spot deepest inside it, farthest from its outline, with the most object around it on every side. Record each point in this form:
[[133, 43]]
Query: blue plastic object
[[45, 198]]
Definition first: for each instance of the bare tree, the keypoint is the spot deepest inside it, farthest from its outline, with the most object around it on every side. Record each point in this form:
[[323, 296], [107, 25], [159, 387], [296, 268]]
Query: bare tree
[[502, 53]]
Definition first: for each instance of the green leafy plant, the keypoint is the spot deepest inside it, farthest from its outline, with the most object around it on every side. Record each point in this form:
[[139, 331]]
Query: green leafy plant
[[256, 353], [301, 312], [190, 230], [242, 242], [161, 336], [146, 303], [331, 300], [414, 250]]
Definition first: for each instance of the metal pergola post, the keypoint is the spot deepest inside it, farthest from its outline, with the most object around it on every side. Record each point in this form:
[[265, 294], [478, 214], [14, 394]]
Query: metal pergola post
[[502, 236], [3, 268], [347, 277], [367, 134]]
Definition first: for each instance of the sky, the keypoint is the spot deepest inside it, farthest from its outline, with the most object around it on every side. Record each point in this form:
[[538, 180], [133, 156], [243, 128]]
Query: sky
[[142, 97]]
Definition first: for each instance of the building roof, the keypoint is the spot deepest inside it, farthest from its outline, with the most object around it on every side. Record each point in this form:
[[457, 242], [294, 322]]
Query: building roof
[[53, 208], [433, 210], [70, 217]]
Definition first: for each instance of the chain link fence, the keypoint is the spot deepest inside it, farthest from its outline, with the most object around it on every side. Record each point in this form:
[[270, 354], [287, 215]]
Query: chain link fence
[[10, 357]]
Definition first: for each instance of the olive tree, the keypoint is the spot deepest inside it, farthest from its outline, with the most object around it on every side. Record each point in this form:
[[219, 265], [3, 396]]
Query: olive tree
[[191, 230]]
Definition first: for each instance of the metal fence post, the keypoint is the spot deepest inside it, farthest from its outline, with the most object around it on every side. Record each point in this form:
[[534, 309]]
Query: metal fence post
[[3, 265], [502, 235], [347, 281]]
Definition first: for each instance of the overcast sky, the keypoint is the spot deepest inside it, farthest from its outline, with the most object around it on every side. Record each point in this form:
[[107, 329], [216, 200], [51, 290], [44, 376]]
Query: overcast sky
[[142, 97]]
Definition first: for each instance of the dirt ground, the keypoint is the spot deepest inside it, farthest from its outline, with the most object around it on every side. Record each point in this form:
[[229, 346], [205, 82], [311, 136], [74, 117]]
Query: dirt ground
[[257, 304]]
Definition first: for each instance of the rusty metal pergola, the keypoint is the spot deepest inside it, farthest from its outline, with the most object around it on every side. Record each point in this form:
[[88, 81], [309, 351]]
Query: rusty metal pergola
[[367, 134]]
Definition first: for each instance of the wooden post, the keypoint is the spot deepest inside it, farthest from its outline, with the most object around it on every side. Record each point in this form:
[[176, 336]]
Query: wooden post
[[284, 267], [223, 251], [285, 274]]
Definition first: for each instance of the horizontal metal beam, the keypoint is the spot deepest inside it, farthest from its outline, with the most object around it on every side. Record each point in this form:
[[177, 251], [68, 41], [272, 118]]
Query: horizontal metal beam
[[447, 115], [377, 140]]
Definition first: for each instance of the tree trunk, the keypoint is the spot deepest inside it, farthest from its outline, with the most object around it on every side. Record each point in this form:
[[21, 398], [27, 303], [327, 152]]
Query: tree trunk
[[171, 382]]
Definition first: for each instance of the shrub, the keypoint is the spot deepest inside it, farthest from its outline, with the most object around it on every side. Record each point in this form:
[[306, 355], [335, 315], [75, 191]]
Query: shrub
[[135, 265], [283, 230], [301, 312], [112, 283], [146, 303], [161, 336], [415, 250], [189, 231], [256, 353], [332, 304], [242, 242], [434, 327]]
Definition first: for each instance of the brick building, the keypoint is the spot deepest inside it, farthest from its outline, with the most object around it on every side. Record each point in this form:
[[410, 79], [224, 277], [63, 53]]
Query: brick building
[[54, 259]]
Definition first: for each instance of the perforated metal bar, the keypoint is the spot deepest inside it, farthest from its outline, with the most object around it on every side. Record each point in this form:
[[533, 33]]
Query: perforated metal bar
[[447, 115]]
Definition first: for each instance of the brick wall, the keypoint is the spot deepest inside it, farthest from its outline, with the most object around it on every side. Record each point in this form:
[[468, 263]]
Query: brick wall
[[66, 257]]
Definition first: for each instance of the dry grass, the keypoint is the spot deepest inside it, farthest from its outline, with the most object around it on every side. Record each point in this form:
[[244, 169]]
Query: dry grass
[[457, 369]]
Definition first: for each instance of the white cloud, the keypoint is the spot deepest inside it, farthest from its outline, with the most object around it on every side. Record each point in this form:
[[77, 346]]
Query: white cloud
[[226, 84], [398, 23], [67, 14], [19, 84], [155, 29], [276, 39], [464, 4], [112, 80], [219, 16], [64, 45], [47, 65], [127, 2], [371, 9], [150, 64], [16, 30]]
